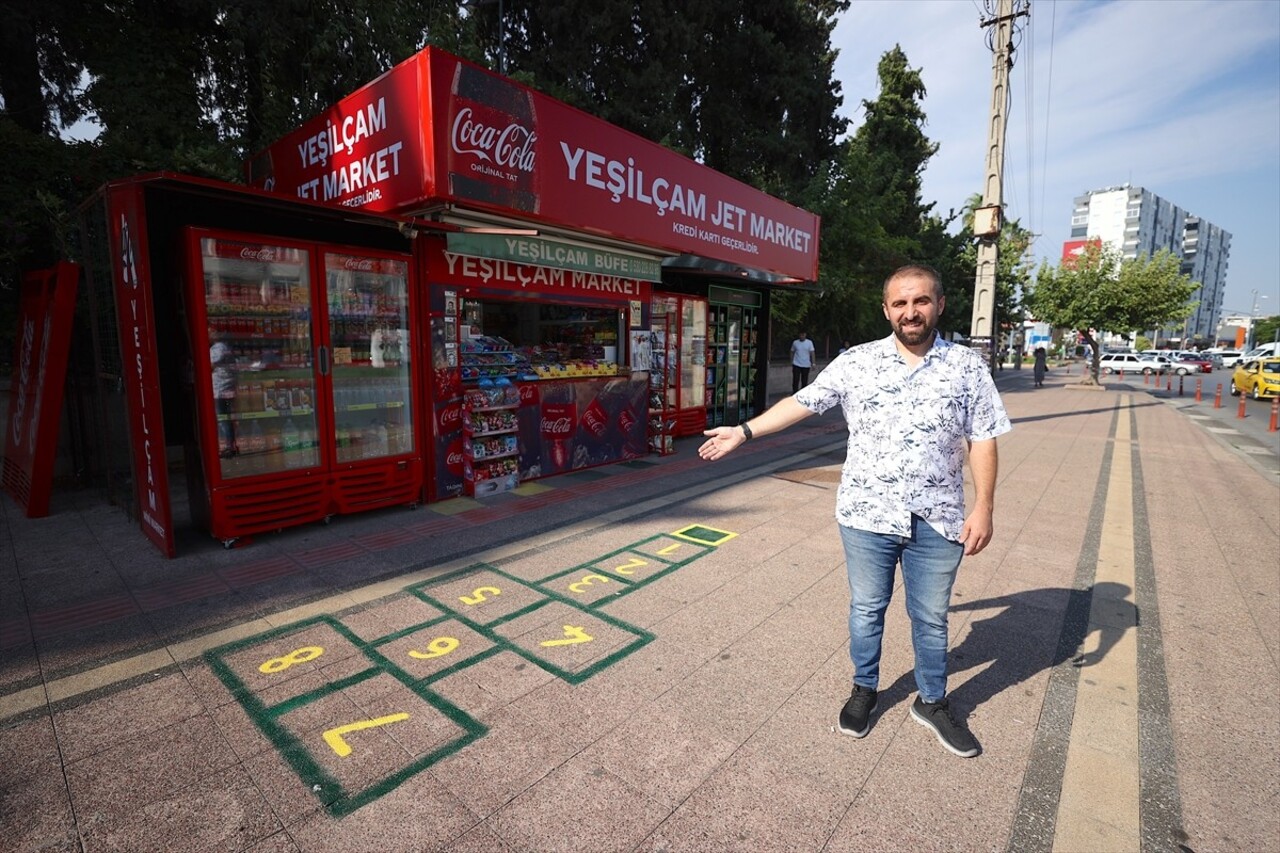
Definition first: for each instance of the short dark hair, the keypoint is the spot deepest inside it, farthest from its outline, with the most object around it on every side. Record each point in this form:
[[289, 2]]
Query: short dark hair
[[914, 270]]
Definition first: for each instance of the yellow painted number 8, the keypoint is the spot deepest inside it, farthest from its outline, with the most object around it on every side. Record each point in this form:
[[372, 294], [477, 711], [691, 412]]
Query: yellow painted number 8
[[280, 664]]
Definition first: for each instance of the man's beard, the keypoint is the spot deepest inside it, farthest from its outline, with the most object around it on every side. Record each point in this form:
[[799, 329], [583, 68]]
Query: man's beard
[[914, 337]]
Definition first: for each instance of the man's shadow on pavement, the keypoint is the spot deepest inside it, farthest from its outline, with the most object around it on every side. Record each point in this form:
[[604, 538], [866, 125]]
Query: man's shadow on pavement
[[1033, 630]]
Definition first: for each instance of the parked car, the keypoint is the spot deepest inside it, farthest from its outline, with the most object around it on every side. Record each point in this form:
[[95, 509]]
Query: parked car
[[1192, 362], [1259, 377], [1230, 357], [1129, 362], [1264, 350]]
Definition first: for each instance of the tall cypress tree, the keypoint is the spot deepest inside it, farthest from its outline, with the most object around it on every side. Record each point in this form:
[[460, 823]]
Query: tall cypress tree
[[873, 217]]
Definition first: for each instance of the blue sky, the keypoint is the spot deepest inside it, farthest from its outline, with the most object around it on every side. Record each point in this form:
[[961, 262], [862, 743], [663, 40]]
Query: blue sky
[[1179, 96]]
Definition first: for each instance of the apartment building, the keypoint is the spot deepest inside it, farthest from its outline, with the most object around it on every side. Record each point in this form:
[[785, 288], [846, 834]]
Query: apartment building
[[1138, 222]]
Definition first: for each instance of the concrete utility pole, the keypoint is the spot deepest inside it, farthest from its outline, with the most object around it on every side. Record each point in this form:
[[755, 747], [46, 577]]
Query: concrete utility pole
[[987, 220]]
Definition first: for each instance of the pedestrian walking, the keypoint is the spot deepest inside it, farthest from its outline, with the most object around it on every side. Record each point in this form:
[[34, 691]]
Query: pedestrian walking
[[912, 402], [801, 362], [1040, 368]]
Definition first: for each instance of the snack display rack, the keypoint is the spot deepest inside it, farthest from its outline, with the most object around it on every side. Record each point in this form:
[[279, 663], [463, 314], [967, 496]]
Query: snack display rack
[[663, 384], [490, 357], [491, 445]]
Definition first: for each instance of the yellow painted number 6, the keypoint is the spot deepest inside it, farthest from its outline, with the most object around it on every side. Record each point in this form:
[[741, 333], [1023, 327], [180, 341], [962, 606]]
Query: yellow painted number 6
[[439, 647]]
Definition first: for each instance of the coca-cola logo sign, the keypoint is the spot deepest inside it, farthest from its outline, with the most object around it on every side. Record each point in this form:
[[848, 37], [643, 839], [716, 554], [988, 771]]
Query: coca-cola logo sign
[[626, 420], [509, 147], [528, 395], [558, 420], [359, 264], [453, 458], [451, 418], [262, 253], [557, 426], [595, 419]]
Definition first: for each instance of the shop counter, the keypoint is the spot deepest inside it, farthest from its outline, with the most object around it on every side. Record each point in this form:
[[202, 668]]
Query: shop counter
[[581, 422]]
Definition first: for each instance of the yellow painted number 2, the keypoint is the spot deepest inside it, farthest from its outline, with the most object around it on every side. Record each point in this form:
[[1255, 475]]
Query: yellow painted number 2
[[334, 738], [283, 662], [630, 566]]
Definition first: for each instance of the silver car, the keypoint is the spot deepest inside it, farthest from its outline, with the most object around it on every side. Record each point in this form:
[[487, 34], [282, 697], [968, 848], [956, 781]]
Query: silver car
[[1129, 362]]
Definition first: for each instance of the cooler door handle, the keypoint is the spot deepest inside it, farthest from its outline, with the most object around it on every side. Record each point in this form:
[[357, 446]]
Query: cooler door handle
[[322, 357]]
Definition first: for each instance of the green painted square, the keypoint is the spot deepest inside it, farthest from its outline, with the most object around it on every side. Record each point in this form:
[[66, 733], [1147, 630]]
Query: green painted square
[[707, 535], [671, 549], [480, 594], [569, 643]]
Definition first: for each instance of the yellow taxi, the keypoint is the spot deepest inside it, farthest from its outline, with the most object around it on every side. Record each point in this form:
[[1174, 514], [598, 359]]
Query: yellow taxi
[[1257, 377]]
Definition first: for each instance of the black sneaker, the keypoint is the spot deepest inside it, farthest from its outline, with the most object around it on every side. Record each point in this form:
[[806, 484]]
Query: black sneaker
[[855, 716], [950, 733]]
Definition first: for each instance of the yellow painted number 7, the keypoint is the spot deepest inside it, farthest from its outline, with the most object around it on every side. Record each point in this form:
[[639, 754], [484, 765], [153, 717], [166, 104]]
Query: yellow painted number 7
[[334, 738]]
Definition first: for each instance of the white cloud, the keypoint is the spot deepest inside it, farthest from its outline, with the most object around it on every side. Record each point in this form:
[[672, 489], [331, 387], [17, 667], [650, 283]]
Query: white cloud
[[1182, 98]]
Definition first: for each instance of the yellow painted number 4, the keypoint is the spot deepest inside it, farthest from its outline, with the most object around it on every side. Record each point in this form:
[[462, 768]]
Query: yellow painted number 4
[[572, 636]]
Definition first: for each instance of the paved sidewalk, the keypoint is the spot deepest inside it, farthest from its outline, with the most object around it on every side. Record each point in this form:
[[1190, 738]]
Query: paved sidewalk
[[651, 657]]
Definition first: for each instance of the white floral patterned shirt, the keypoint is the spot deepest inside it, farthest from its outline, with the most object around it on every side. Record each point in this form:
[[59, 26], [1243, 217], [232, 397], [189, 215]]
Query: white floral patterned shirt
[[908, 429]]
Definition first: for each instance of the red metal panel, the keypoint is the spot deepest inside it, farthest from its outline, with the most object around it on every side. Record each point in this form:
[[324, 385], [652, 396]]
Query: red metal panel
[[39, 373], [130, 261]]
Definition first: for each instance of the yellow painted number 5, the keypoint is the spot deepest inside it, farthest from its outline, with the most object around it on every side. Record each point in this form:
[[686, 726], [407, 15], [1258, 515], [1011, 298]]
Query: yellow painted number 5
[[479, 594]]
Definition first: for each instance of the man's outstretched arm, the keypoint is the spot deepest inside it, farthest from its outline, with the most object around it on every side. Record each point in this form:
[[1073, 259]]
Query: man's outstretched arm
[[721, 440]]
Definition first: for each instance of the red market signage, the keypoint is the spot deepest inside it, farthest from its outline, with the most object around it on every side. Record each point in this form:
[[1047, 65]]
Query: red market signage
[[439, 129], [39, 370], [466, 271], [1073, 250], [132, 274]]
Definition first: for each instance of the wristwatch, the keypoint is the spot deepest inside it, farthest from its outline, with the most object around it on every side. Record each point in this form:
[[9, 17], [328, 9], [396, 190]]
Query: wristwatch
[[746, 431]]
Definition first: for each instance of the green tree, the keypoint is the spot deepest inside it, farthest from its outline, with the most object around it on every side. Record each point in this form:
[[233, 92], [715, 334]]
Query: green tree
[[1266, 330], [1098, 291], [746, 88], [873, 217]]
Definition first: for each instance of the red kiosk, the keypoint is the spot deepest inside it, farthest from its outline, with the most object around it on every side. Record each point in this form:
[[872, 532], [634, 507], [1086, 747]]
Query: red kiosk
[[447, 284]]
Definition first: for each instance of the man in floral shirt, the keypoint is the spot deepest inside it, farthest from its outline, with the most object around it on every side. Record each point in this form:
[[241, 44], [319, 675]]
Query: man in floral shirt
[[914, 403]]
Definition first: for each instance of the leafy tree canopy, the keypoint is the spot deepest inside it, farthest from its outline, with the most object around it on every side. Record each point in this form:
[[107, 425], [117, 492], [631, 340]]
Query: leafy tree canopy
[[1098, 291], [873, 217]]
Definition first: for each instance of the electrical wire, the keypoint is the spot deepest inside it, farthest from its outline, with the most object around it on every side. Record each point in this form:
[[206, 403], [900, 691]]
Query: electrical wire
[[1048, 104], [1029, 89]]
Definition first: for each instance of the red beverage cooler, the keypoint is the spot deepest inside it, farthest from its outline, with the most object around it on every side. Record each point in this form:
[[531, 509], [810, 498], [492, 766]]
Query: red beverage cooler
[[303, 381]]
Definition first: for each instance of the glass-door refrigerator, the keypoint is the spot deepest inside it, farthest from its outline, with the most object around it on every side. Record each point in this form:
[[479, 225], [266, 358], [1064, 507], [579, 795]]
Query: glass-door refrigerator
[[689, 325], [302, 381]]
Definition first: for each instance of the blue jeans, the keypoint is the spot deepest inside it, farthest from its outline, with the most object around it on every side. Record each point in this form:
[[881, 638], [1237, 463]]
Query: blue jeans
[[929, 564]]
